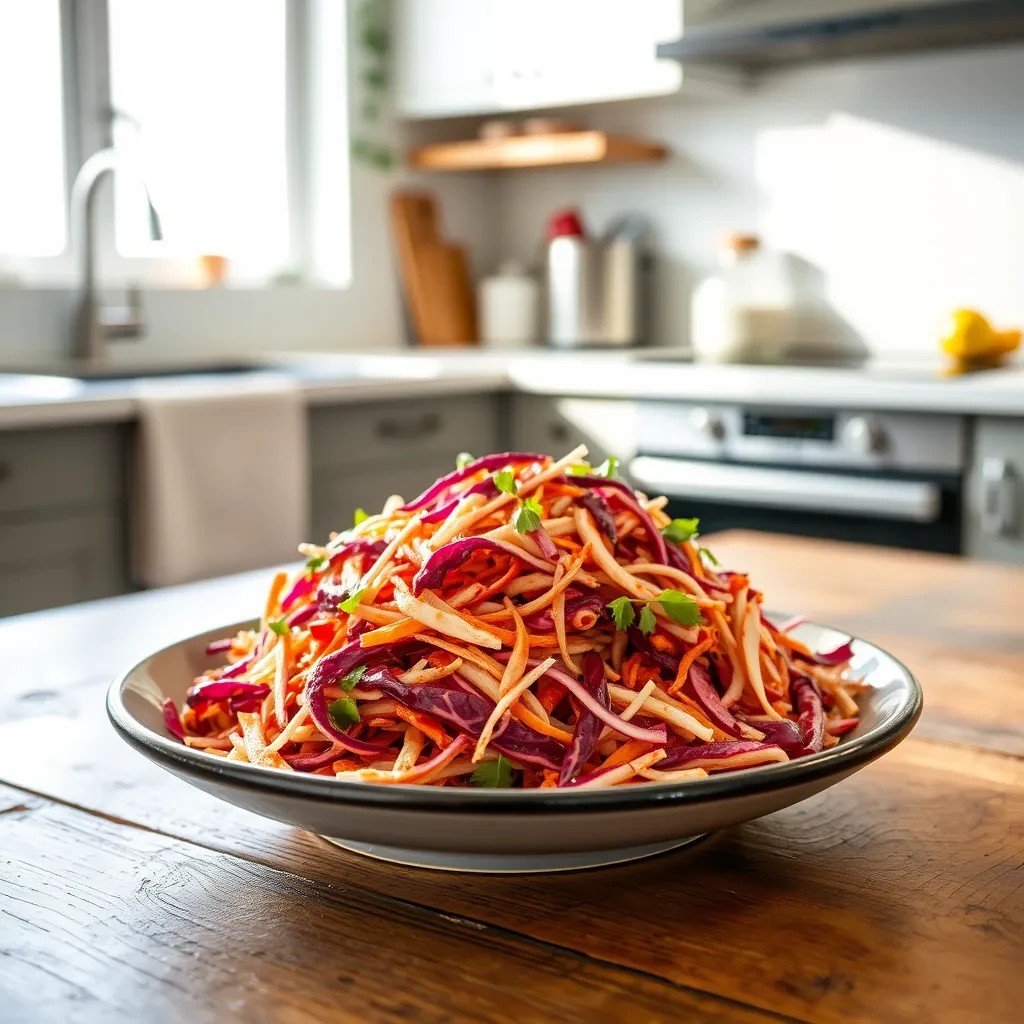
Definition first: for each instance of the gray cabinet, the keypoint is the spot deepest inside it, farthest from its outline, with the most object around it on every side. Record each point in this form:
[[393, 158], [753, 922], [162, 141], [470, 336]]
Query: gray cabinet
[[360, 454], [994, 519], [62, 516], [554, 426]]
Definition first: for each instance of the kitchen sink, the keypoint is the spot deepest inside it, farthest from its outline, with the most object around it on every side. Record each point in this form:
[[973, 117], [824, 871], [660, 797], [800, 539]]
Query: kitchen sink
[[107, 374]]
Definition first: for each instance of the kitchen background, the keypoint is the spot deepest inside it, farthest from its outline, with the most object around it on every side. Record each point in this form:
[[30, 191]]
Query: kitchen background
[[886, 189]]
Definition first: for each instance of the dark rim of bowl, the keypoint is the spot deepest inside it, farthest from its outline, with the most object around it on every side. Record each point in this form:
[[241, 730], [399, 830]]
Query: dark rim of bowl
[[848, 755]]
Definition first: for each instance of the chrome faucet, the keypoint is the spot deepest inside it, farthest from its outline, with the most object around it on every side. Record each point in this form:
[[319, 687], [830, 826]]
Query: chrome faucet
[[96, 323]]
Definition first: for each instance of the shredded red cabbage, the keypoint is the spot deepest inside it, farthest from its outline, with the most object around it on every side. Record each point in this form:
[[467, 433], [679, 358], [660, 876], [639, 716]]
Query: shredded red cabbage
[[338, 665], [469, 712], [698, 685], [811, 714], [602, 514], [545, 543], [331, 594], [302, 587], [588, 726], [219, 646], [679, 757], [311, 762], [222, 689], [441, 487], [172, 719], [624, 495], [579, 608], [448, 558], [442, 512]]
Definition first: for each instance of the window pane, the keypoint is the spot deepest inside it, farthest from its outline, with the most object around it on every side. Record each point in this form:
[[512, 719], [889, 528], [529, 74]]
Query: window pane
[[32, 220], [203, 86]]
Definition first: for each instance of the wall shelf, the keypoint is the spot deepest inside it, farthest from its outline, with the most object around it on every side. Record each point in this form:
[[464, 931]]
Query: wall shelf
[[520, 151]]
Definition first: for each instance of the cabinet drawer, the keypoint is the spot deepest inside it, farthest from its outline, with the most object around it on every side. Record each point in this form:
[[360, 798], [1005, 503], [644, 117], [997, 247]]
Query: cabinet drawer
[[554, 426], [58, 559], [62, 466], [402, 431], [338, 493]]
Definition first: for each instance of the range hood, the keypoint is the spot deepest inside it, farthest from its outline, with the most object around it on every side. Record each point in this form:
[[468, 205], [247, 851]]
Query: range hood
[[758, 34]]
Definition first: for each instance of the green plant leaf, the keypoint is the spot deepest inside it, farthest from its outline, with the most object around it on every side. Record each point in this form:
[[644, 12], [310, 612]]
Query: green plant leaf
[[343, 712], [463, 459], [351, 603], [493, 774], [280, 627], [680, 607], [526, 517], [505, 481], [622, 611], [317, 562], [680, 530], [647, 620]]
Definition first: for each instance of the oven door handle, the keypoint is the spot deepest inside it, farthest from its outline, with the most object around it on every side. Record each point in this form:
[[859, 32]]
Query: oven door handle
[[796, 489]]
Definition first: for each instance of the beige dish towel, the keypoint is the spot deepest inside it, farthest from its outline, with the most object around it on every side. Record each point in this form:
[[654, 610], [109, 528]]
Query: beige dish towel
[[221, 478]]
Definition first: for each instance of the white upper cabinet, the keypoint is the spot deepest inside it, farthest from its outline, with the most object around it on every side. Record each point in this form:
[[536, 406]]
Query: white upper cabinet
[[486, 56]]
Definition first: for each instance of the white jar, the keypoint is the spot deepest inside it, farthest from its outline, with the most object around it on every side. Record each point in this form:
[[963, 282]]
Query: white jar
[[509, 305], [750, 311]]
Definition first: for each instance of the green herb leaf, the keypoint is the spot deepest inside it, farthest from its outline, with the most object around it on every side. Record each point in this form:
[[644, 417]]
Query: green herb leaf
[[709, 557], [280, 627], [680, 530], [317, 562], [583, 469], [680, 607], [463, 459], [609, 468], [351, 603], [526, 518], [493, 774], [647, 620], [351, 681], [505, 481], [359, 515], [344, 712], [622, 612]]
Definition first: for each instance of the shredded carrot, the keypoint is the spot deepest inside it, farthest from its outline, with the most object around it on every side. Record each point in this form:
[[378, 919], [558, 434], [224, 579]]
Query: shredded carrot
[[401, 630], [689, 658], [539, 725], [625, 754]]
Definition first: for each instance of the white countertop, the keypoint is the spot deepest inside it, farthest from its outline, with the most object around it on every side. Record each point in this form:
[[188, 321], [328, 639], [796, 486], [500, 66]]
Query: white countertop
[[31, 401]]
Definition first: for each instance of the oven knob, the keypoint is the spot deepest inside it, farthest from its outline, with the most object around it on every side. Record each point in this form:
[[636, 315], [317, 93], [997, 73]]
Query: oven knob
[[708, 423], [863, 435]]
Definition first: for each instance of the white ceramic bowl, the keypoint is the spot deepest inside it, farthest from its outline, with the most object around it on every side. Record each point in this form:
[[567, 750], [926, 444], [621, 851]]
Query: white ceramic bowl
[[509, 830]]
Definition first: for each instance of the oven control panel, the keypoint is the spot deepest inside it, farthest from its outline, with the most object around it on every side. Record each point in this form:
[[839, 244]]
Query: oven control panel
[[756, 433]]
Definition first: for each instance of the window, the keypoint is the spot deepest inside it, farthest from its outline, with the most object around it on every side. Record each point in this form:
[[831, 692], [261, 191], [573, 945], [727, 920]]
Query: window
[[227, 115], [32, 199]]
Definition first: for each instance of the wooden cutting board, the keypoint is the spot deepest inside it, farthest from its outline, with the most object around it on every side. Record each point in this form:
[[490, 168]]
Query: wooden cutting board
[[434, 274]]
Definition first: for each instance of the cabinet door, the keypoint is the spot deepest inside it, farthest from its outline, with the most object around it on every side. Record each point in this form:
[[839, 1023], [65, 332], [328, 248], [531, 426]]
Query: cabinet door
[[488, 56], [994, 523], [60, 558], [442, 58], [554, 426]]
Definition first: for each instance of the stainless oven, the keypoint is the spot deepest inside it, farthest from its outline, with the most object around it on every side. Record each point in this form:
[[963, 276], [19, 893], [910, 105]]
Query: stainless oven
[[880, 478]]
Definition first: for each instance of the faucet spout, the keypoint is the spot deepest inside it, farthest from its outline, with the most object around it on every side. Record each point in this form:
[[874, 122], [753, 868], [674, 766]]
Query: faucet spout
[[96, 324]]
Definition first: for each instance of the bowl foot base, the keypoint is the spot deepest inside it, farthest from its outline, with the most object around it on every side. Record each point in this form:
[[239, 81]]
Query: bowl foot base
[[508, 864]]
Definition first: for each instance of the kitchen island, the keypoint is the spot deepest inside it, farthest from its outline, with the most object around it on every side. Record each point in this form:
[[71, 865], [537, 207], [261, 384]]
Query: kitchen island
[[896, 896]]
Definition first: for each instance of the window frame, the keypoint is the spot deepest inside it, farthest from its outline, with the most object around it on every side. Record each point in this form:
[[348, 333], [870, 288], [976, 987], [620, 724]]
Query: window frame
[[312, 188]]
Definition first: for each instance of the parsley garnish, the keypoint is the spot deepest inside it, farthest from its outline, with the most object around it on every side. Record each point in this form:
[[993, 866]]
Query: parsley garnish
[[709, 557], [680, 607], [609, 468], [280, 627], [647, 620], [352, 601], [463, 459], [359, 515], [343, 712], [680, 530], [493, 774], [583, 469], [351, 681], [505, 481], [526, 517], [622, 612], [317, 562]]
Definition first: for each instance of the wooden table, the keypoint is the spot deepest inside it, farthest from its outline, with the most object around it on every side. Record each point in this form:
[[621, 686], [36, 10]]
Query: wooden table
[[898, 895]]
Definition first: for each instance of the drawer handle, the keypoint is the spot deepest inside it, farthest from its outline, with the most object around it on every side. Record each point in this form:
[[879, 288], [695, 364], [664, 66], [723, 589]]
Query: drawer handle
[[396, 428]]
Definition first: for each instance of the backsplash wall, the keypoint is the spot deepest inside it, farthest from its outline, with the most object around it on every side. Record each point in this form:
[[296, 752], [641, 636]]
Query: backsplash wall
[[901, 179]]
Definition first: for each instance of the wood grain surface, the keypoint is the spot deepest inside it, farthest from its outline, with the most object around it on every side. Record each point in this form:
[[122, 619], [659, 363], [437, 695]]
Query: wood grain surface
[[897, 895]]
